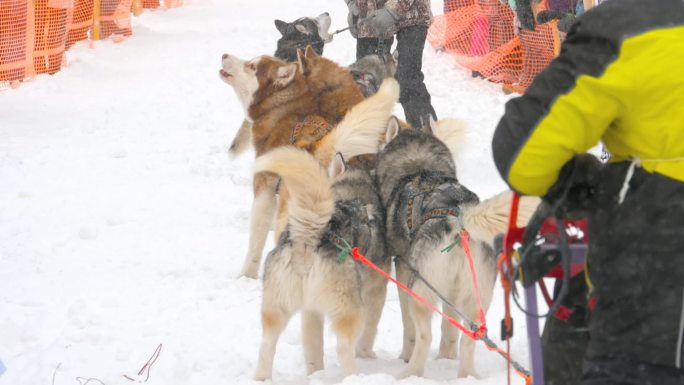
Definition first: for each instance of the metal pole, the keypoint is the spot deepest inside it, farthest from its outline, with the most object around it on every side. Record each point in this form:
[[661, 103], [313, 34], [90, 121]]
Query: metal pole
[[95, 33], [534, 337]]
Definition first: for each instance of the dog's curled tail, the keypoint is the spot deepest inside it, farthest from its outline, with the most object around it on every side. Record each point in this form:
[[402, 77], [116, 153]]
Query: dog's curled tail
[[489, 218], [451, 132], [311, 201], [363, 127]]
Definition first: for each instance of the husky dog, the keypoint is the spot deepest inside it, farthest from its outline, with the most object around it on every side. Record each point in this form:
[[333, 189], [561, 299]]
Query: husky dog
[[304, 272], [332, 86], [426, 207], [371, 70], [278, 99], [303, 32]]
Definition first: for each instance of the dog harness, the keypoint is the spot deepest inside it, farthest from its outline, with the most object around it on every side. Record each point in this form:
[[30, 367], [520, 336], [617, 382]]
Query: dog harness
[[346, 217], [426, 200], [311, 129], [423, 204]]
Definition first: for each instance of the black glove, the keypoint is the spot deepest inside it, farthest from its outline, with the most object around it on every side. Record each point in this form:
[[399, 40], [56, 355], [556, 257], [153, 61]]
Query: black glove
[[380, 21], [573, 194], [523, 11], [565, 19]]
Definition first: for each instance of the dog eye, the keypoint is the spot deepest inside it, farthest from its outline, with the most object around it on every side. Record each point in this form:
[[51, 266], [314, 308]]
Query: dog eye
[[251, 66]]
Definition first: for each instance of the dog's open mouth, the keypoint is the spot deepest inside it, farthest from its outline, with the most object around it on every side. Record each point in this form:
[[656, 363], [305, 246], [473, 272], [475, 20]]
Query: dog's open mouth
[[224, 74]]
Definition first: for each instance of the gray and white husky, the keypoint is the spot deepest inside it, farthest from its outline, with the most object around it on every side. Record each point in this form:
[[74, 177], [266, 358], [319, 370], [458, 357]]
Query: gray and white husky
[[371, 70], [426, 209], [304, 273]]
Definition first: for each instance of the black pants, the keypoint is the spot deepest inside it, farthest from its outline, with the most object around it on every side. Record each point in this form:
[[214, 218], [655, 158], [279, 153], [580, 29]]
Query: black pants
[[564, 342], [636, 263], [611, 371], [414, 97]]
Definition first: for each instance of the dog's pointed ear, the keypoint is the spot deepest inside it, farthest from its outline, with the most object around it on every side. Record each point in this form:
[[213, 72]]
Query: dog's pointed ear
[[302, 29], [285, 75], [302, 61], [281, 26], [310, 52], [337, 165], [428, 125], [393, 128]]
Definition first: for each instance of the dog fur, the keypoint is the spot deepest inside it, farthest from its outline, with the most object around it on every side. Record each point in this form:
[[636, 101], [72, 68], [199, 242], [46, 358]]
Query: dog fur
[[368, 73], [302, 272], [371, 70], [416, 169], [332, 86], [303, 32], [277, 97]]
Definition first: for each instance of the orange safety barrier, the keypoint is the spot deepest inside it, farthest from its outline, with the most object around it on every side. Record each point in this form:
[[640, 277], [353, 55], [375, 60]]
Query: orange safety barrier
[[81, 21], [480, 35], [151, 4], [115, 18], [34, 34]]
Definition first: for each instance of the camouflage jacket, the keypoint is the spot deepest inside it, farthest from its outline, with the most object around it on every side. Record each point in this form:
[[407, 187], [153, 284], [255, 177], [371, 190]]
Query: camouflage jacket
[[410, 13]]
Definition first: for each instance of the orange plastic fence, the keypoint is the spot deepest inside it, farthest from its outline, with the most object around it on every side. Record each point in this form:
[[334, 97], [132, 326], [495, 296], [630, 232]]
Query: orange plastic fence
[[34, 34], [480, 35]]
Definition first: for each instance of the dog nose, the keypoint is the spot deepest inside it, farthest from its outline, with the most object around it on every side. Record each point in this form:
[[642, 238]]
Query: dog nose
[[326, 13], [225, 56]]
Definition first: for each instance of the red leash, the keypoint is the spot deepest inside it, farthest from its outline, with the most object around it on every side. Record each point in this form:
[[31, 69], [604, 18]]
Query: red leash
[[361, 258], [481, 333]]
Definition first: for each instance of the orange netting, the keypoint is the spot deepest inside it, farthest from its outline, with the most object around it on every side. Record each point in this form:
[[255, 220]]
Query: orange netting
[[81, 21], [480, 35], [34, 34], [115, 18]]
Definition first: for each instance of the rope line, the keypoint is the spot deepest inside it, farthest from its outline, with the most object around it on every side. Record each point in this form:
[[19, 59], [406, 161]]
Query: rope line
[[479, 334]]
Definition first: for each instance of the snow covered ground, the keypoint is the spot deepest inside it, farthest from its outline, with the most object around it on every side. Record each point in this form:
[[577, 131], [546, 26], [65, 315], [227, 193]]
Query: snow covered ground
[[123, 224]]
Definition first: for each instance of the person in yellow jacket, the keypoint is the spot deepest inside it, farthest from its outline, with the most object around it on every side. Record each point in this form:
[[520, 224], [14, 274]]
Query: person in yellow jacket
[[619, 79]]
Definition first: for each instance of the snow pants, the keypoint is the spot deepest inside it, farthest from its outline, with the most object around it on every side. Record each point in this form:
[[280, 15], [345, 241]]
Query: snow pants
[[636, 264], [414, 96]]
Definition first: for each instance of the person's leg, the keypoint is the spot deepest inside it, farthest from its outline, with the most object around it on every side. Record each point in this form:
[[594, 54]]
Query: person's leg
[[564, 342], [564, 347], [414, 97], [636, 326]]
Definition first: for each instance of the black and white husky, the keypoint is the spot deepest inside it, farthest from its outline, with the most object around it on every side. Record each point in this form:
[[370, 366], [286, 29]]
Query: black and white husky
[[301, 33], [426, 209], [304, 271], [326, 210]]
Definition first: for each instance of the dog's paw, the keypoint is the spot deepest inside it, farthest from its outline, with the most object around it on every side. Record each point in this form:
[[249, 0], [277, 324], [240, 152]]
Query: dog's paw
[[365, 353], [467, 373], [450, 354], [249, 273], [405, 355], [313, 367], [262, 376], [410, 372]]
